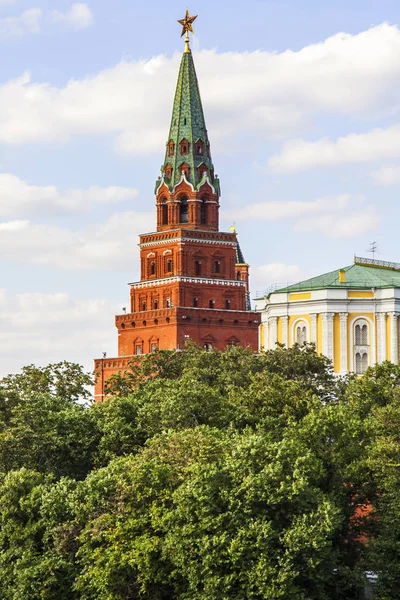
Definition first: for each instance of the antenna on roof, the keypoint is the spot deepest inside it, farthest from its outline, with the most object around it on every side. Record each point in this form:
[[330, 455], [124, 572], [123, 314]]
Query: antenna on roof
[[373, 248]]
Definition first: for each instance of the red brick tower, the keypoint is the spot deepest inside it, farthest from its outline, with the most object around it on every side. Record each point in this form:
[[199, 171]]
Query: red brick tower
[[193, 280]]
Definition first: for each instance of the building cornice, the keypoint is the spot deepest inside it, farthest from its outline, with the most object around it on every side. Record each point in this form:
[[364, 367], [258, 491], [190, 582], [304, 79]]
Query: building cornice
[[323, 305], [192, 280], [184, 240]]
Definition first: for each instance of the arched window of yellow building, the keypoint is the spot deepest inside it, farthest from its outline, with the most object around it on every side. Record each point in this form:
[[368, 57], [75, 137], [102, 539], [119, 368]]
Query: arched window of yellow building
[[364, 335], [361, 346], [361, 333], [364, 362], [301, 333], [358, 362], [361, 362]]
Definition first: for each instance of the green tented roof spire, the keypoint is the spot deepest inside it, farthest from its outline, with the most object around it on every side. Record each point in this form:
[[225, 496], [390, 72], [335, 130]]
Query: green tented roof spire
[[188, 145]]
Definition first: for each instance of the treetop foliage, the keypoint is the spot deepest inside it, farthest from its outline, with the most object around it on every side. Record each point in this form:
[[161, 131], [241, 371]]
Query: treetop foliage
[[205, 475]]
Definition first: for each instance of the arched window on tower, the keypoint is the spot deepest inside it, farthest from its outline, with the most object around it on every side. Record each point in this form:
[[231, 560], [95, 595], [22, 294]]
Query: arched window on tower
[[203, 211], [212, 303], [171, 148], [197, 267], [238, 275], [201, 170], [184, 168], [164, 216], [152, 268], [168, 171], [184, 210], [184, 146], [361, 346], [199, 147]]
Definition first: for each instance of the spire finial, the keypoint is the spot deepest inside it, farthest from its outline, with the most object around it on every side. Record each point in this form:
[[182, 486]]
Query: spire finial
[[187, 25]]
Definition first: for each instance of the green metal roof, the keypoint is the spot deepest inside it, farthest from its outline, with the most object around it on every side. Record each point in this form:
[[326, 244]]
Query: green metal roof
[[188, 123], [357, 276], [239, 255]]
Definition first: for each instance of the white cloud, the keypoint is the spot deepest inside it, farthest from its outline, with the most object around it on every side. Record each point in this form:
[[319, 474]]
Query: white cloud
[[299, 155], [79, 16], [264, 278], [348, 225], [14, 225], [19, 197], [293, 209], [268, 94], [43, 328], [388, 175], [345, 215], [24, 24], [101, 246]]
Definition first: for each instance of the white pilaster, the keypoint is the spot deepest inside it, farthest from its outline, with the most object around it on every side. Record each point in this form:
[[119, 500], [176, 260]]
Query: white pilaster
[[327, 334], [394, 338], [273, 332], [313, 317], [285, 331], [343, 343], [381, 319]]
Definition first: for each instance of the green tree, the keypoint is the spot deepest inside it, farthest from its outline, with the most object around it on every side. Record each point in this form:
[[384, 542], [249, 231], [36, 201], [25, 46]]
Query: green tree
[[212, 514], [64, 380], [235, 388], [30, 568], [45, 421], [376, 397], [208, 475]]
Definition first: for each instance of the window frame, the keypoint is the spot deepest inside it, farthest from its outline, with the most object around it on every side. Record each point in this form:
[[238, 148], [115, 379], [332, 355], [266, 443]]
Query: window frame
[[362, 344], [301, 321]]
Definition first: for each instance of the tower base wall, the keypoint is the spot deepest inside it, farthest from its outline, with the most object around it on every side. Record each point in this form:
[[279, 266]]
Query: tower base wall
[[171, 329]]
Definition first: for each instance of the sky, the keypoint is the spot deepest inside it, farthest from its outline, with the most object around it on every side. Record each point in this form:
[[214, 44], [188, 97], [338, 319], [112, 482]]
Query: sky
[[301, 100]]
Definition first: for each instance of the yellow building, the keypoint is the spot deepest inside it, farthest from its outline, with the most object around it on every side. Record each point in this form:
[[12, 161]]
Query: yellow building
[[351, 315]]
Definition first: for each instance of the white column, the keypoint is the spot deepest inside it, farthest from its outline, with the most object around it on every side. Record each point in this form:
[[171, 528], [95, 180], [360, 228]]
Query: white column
[[262, 335], [381, 319], [285, 332], [394, 338], [313, 328], [273, 332], [327, 334], [343, 343]]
